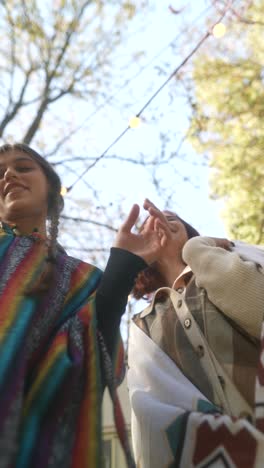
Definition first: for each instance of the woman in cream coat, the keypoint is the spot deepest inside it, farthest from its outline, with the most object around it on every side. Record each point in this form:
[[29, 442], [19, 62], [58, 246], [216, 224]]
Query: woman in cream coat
[[194, 354]]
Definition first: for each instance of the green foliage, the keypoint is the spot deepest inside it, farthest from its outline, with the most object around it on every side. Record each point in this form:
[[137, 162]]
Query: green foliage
[[228, 122]]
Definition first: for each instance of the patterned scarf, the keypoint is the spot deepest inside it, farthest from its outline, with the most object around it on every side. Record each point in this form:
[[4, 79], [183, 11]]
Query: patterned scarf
[[50, 374]]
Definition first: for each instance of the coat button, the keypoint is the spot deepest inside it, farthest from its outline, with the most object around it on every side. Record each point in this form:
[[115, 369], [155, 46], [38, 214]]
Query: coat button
[[179, 303], [187, 323], [200, 351], [221, 380], [180, 290]]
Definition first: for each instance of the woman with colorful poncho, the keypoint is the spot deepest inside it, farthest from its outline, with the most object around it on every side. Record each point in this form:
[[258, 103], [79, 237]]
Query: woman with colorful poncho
[[59, 323]]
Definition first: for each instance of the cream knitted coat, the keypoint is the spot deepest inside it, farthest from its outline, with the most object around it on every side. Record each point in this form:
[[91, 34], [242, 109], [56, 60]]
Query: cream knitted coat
[[234, 281]]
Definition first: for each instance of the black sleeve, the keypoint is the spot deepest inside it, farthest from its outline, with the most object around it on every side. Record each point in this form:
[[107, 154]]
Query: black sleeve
[[111, 297]]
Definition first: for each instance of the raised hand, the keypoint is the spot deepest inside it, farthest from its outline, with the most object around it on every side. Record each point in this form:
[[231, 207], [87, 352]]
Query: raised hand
[[147, 243], [161, 223]]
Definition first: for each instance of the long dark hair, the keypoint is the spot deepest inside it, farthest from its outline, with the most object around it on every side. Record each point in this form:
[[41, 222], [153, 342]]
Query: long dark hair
[[55, 206], [150, 279]]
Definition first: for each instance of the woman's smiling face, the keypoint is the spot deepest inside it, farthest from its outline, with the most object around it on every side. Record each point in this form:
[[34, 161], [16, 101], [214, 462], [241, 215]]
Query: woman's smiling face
[[23, 188]]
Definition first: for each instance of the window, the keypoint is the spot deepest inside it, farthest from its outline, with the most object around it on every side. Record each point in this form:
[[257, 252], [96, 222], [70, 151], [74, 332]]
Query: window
[[107, 449]]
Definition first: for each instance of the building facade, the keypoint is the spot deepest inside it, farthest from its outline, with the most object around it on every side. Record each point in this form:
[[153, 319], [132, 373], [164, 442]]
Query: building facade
[[113, 453]]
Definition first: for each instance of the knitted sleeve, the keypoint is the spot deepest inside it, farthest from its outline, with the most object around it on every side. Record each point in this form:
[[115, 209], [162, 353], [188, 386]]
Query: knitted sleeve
[[234, 285]]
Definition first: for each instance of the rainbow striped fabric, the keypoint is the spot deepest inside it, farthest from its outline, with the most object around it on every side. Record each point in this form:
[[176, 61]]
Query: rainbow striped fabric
[[50, 376]]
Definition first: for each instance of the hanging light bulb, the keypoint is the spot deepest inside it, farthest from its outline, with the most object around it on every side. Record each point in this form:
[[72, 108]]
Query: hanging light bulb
[[63, 191], [219, 30], [134, 122]]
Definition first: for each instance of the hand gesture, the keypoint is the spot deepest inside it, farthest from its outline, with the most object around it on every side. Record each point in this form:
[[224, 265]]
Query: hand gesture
[[161, 225], [147, 243], [173, 231]]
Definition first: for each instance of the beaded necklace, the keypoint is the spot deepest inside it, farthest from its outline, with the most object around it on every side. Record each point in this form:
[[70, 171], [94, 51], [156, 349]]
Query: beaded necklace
[[12, 228]]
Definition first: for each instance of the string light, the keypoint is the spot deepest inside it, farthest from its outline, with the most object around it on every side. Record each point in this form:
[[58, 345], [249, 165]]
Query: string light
[[219, 30], [63, 191], [136, 119], [134, 122], [127, 82]]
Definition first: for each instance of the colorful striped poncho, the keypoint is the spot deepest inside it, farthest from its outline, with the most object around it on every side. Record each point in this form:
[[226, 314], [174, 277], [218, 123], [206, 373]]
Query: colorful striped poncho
[[50, 375]]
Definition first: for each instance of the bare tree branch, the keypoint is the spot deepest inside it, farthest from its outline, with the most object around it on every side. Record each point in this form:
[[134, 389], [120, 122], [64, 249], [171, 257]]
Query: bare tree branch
[[11, 113], [89, 221]]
